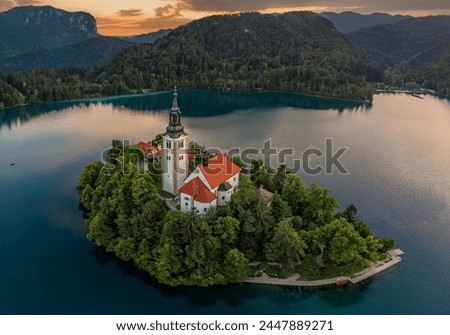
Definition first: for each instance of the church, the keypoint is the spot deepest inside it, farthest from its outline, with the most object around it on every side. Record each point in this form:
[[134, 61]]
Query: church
[[210, 184]]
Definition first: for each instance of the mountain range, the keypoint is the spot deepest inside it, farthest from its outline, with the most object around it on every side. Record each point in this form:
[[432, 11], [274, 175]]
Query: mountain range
[[415, 40], [296, 51], [414, 50], [146, 38], [347, 22], [35, 37], [29, 28]]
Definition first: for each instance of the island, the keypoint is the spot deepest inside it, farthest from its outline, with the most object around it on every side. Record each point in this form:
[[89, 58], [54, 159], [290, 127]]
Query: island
[[193, 218]]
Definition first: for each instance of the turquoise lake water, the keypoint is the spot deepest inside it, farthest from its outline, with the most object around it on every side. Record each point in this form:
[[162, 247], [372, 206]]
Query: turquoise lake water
[[398, 161]]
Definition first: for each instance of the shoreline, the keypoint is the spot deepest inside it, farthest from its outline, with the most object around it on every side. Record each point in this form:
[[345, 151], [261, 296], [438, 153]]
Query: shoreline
[[293, 280], [150, 92]]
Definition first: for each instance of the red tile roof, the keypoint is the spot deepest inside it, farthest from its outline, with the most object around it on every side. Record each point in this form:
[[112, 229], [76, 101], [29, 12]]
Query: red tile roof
[[219, 169], [198, 190], [147, 148]]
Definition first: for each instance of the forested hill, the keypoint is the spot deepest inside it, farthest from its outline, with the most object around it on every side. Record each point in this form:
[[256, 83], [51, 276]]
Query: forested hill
[[146, 38], [30, 28], [404, 41], [347, 22], [415, 50], [36, 37], [296, 51], [87, 53]]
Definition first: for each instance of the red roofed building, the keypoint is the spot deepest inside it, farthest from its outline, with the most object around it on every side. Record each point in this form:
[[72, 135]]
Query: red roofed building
[[148, 149], [195, 194], [209, 185]]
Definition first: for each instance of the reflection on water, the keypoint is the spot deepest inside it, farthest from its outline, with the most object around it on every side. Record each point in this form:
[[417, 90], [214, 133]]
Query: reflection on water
[[398, 159], [194, 102]]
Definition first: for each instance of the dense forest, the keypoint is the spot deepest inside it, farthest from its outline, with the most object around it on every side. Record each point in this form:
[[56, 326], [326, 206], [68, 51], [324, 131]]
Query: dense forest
[[414, 52], [297, 52], [81, 55], [299, 229]]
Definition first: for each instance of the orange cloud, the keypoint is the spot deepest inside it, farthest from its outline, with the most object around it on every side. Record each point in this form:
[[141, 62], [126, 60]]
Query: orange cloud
[[8, 4], [363, 5], [130, 12], [171, 11], [127, 22], [116, 26]]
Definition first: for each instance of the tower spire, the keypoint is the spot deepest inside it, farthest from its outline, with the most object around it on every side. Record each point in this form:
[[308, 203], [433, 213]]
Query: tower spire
[[175, 99], [174, 158], [175, 129]]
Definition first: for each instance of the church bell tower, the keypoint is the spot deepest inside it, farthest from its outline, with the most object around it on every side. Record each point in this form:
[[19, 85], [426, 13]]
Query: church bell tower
[[174, 156]]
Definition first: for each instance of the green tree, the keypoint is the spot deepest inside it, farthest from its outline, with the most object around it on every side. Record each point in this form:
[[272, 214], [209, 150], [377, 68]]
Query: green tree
[[158, 140], [279, 178], [351, 213], [286, 247], [321, 206], [280, 208], [252, 212], [168, 264], [235, 267], [227, 229], [99, 232], [344, 246], [125, 248], [295, 194]]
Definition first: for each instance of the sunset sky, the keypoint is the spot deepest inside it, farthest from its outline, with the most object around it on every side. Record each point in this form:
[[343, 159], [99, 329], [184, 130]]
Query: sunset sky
[[119, 17]]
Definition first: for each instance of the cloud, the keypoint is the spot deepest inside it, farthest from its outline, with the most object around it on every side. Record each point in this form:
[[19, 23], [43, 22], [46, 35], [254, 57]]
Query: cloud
[[27, 2], [240, 5], [170, 11], [130, 12], [5, 5], [337, 5], [8, 4], [115, 26], [106, 21]]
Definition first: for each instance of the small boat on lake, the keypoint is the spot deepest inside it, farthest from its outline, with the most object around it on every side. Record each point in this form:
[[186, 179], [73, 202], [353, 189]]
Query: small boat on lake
[[342, 281]]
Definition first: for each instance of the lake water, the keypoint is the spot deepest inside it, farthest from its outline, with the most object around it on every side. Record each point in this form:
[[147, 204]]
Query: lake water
[[398, 161]]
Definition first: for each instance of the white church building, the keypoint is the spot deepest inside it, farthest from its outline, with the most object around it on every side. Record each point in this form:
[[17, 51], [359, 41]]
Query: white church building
[[211, 184]]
